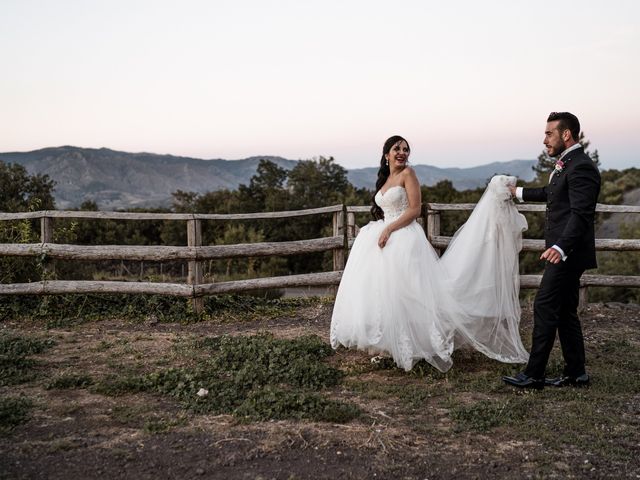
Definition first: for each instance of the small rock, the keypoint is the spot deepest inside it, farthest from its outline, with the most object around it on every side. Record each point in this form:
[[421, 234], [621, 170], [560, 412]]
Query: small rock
[[203, 392]]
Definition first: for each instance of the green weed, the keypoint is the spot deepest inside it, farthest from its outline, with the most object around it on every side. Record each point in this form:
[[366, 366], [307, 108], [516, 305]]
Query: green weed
[[487, 414], [13, 412], [15, 345], [70, 380], [15, 370], [157, 425], [61, 311], [276, 403], [15, 366]]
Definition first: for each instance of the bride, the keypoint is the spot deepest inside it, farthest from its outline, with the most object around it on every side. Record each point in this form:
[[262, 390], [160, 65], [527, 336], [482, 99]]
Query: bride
[[398, 297]]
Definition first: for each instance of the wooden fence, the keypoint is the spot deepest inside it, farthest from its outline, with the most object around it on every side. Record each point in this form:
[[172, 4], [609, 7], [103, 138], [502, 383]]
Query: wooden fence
[[344, 232]]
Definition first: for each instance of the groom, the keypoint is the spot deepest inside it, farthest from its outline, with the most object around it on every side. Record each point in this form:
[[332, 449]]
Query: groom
[[571, 197]]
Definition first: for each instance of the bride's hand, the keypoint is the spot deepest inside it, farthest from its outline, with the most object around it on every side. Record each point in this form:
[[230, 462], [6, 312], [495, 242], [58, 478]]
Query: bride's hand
[[384, 238]]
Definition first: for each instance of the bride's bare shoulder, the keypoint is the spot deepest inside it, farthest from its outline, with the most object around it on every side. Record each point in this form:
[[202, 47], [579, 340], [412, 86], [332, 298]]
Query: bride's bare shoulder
[[408, 172]]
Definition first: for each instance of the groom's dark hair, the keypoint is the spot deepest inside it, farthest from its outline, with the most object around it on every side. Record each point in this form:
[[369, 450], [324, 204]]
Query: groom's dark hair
[[566, 121]]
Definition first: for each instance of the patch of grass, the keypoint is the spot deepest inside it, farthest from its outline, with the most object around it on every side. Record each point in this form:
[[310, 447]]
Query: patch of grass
[[487, 414], [276, 403], [16, 370], [15, 366], [411, 395], [130, 415], [263, 359], [13, 412], [157, 425], [69, 310], [21, 346], [235, 308], [472, 372], [70, 380], [257, 377], [103, 346], [115, 385], [62, 311]]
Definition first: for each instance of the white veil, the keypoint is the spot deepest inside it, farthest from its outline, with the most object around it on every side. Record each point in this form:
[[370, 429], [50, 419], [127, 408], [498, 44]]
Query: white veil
[[482, 281]]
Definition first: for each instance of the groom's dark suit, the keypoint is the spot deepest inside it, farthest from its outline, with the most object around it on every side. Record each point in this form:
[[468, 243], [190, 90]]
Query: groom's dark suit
[[569, 224]]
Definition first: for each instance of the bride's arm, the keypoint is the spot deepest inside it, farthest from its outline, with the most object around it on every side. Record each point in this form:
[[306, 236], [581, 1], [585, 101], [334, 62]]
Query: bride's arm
[[412, 187]]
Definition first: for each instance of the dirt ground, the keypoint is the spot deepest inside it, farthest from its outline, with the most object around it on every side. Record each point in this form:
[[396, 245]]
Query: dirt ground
[[408, 430]]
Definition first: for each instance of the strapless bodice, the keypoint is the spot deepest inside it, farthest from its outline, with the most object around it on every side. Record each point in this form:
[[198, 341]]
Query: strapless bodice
[[393, 202]]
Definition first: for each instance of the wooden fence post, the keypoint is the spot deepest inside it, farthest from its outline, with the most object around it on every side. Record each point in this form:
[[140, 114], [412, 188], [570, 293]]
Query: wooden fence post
[[422, 219], [46, 229], [583, 299], [339, 230], [194, 239], [433, 226], [351, 225], [46, 236]]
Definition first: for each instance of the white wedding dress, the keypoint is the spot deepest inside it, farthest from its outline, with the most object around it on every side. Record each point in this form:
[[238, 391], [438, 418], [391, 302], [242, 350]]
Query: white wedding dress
[[405, 301]]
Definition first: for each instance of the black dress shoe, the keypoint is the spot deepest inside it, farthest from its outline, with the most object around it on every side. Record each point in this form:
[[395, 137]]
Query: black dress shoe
[[524, 381], [565, 381]]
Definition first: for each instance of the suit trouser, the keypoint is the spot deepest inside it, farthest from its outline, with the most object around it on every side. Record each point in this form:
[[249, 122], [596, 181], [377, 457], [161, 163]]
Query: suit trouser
[[556, 309]]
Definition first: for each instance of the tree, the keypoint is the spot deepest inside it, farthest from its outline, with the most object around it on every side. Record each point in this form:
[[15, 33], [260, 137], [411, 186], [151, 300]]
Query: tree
[[21, 192], [318, 183], [266, 191], [184, 202]]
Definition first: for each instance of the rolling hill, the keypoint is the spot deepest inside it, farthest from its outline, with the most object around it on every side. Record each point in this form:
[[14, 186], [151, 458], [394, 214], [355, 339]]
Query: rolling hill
[[116, 179]]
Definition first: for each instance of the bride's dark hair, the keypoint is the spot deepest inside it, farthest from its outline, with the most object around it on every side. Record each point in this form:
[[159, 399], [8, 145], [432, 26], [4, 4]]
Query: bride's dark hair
[[383, 174]]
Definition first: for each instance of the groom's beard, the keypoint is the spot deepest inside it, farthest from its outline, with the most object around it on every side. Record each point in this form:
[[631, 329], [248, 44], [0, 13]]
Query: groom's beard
[[556, 151]]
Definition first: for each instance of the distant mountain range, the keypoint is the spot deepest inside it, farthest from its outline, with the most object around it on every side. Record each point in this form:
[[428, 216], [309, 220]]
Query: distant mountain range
[[125, 180]]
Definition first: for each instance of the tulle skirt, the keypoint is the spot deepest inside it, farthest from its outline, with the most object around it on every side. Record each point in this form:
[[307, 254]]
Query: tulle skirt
[[386, 303]]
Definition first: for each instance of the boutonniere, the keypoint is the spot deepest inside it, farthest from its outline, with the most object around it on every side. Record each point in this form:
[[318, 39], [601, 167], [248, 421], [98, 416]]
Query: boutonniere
[[559, 166]]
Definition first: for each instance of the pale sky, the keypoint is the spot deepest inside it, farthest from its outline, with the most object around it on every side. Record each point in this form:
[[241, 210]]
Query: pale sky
[[466, 82]]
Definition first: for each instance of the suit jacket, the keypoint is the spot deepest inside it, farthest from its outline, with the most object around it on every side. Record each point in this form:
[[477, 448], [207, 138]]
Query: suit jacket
[[571, 198]]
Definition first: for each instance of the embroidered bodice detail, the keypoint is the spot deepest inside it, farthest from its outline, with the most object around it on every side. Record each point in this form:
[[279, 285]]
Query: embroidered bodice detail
[[393, 202]]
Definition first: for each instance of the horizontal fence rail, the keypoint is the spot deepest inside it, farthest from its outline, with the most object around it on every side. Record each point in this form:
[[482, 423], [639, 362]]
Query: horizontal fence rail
[[167, 216], [162, 253], [344, 232], [533, 281], [50, 287], [532, 245], [600, 208]]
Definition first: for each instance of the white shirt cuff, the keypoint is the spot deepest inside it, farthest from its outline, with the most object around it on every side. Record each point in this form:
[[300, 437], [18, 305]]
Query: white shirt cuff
[[519, 194], [560, 251]]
